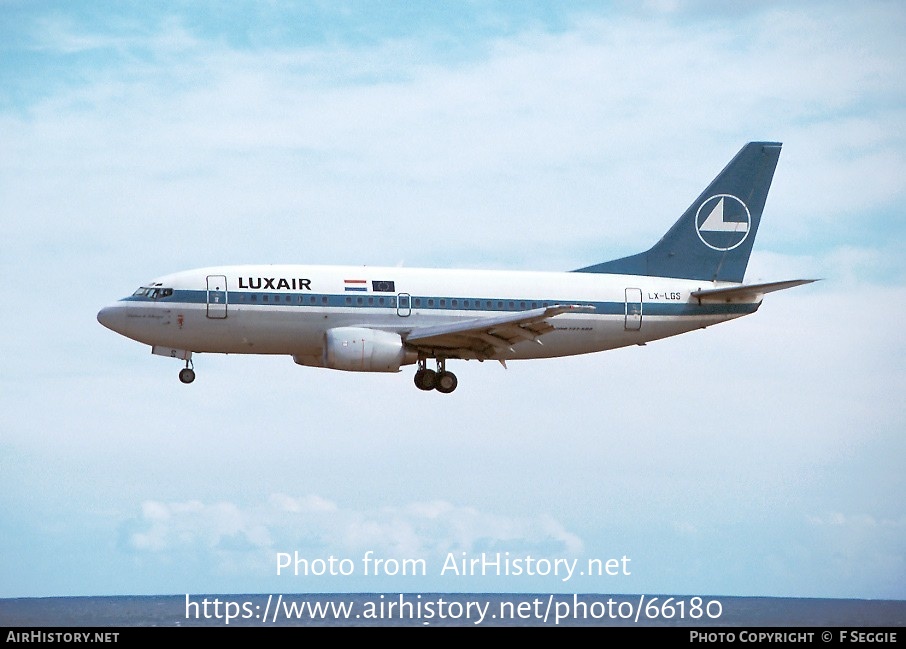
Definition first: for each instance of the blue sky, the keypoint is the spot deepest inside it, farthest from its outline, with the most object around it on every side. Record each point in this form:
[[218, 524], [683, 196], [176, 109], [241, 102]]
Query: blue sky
[[762, 457]]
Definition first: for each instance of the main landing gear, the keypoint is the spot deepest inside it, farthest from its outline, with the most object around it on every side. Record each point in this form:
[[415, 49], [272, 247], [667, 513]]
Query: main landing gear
[[187, 374], [441, 380]]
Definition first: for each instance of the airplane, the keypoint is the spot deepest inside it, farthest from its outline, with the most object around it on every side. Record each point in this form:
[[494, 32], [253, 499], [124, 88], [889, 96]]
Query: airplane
[[379, 319]]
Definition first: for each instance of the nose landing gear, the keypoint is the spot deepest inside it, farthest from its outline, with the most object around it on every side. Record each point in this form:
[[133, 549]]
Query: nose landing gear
[[187, 374]]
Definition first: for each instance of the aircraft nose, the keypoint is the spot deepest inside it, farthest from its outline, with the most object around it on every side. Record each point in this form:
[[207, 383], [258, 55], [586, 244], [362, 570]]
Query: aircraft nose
[[113, 317]]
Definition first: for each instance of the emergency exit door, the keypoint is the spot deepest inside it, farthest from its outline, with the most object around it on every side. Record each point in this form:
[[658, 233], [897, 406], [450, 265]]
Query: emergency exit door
[[217, 296], [633, 309]]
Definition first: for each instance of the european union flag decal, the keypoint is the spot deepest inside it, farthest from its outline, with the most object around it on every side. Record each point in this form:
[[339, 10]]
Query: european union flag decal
[[383, 286]]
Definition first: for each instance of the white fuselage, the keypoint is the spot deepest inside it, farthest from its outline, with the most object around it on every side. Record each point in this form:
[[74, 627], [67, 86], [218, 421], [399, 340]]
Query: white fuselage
[[287, 309]]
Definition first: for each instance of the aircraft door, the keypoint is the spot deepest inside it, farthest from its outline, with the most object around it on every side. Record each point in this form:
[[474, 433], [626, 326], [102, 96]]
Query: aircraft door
[[217, 296], [633, 309], [403, 305]]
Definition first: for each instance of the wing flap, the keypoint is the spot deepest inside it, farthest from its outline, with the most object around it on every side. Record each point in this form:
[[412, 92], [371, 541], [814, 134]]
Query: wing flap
[[482, 337]]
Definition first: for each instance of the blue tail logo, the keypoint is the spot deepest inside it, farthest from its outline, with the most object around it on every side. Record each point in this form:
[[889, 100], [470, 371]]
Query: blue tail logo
[[722, 222]]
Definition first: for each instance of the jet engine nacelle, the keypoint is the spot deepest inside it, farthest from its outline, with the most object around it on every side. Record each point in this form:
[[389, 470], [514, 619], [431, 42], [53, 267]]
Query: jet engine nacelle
[[358, 349]]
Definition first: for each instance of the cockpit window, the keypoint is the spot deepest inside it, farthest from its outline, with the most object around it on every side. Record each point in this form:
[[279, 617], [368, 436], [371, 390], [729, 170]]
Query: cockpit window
[[153, 292]]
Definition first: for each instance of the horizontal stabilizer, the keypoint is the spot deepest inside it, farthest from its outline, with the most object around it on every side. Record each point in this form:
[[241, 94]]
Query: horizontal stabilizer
[[747, 293]]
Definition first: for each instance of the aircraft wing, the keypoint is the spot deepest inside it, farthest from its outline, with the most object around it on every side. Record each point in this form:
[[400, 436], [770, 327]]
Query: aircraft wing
[[747, 293], [481, 338]]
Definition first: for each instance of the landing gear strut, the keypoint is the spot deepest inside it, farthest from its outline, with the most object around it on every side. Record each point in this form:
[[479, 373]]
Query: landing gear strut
[[187, 374], [440, 380]]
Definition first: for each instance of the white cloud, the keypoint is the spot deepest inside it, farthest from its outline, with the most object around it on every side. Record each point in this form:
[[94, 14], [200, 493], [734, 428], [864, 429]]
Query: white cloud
[[317, 528], [600, 125], [164, 527]]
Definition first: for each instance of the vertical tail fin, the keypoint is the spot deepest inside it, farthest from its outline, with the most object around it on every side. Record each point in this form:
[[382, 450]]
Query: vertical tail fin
[[713, 239]]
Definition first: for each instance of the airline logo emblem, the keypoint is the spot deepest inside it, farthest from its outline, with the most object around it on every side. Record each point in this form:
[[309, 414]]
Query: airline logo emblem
[[723, 222]]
